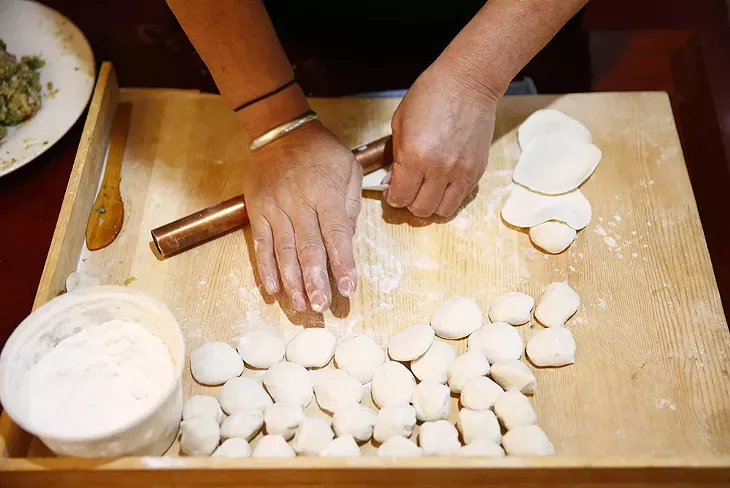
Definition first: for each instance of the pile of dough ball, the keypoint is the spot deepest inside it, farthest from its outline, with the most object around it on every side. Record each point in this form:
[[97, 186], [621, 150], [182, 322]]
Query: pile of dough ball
[[308, 400], [557, 158]]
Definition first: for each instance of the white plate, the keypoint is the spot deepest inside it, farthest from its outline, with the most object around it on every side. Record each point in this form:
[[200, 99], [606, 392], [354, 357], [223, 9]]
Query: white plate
[[31, 28]]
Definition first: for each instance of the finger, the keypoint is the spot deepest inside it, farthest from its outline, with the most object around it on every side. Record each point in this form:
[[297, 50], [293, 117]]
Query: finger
[[312, 258], [404, 186], [453, 197], [354, 195], [286, 257], [429, 197], [263, 247], [336, 232]]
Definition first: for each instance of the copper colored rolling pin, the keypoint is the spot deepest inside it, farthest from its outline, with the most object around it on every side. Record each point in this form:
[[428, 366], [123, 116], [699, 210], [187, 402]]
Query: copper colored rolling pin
[[224, 217]]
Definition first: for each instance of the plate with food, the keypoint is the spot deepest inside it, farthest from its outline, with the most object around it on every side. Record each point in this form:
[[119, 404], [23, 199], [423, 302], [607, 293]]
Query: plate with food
[[47, 74]]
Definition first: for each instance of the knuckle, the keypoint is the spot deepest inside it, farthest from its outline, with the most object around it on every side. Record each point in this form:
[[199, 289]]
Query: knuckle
[[310, 250]]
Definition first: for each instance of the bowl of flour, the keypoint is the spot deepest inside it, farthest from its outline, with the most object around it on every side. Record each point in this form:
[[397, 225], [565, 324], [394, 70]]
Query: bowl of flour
[[96, 372]]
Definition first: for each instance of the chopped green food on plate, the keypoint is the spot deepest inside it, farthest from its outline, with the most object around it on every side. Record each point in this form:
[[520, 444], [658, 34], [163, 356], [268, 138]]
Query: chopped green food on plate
[[20, 88]]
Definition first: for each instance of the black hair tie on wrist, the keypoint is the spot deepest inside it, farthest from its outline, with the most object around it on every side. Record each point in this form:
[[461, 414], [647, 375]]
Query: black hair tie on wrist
[[264, 96]]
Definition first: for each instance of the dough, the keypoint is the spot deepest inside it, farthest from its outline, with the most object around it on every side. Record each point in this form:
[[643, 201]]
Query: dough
[[556, 165], [392, 384], [557, 304], [480, 393], [468, 365], [434, 364], [552, 236], [378, 180], [548, 122], [411, 343], [360, 356], [514, 374], [273, 446], [78, 279], [497, 341], [283, 419], [524, 208], [438, 438], [234, 448], [202, 406], [399, 446], [214, 363], [354, 420], [312, 347], [394, 420], [457, 318], [289, 383], [336, 388], [513, 308], [432, 401], [528, 440], [261, 346], [479, 447], [199, 436], [513, 409], [553, 346], [243, 394], [245, 425], [475, 424], [313, 435], [344, 446]]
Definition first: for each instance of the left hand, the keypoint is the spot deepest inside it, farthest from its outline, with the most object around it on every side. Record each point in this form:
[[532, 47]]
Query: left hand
[[442, 131]]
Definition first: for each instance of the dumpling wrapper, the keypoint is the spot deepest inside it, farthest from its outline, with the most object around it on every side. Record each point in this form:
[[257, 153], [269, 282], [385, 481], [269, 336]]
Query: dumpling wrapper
[[554, 166], [524, 208], [378, 180], [552, 123]]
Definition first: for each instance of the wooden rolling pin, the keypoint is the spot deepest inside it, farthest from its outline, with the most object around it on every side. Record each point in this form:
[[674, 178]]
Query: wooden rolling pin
[[215, 221]]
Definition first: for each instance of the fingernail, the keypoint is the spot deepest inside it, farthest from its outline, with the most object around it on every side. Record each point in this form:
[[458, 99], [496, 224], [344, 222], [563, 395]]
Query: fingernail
[[346, 286], [318, 301], [300, 304], [270, 286]]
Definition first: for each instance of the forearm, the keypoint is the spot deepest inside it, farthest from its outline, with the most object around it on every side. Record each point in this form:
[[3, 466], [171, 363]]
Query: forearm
[[504, 35]]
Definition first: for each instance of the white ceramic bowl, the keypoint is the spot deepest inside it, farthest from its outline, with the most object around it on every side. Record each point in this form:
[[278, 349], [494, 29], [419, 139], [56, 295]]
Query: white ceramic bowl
[[152, 432]]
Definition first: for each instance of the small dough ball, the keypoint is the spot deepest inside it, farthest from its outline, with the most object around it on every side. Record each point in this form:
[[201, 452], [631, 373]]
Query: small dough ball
[[497, 341], [283, 419], [245, 425], [475, 424], [513, 308], [214, 363], [457, 318], [289, 383], [411, 343], [199, 436], [261, 346], [202, 406], [313, 435], [481, 446], [78, 279], [243, 394], [432, 401], [480, 393], [514, 374], [336, 388], [514, 409], [528, 440], [344, 446], [233, 448], [553, 347], [312, 347], [433, 365], [557, 304], [360, 356], [394, 420], [273, 446], [392, 384], [552, 236], [399, 446], [467, 366], [354, 420], [438, 438]]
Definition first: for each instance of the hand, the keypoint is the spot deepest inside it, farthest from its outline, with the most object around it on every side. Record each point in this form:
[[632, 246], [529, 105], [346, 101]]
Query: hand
[[442, 131], [303, 197]]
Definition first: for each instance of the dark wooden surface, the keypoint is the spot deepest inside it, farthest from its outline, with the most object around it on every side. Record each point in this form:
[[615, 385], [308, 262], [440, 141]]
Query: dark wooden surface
[[673, 45]]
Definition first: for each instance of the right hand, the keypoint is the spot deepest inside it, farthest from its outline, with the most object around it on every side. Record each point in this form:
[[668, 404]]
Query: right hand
[[302, 195]]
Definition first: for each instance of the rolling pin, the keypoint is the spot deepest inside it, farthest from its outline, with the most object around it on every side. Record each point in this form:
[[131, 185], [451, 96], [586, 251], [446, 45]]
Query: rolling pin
[[215, 221]]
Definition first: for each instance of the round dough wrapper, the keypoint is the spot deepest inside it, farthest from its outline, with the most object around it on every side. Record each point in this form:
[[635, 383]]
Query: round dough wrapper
[[548, 122], [525, 208]]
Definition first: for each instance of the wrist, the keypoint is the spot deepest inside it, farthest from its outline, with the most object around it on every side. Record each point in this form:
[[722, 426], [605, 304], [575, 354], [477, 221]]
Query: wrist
[[271, 112], [484, 87]]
